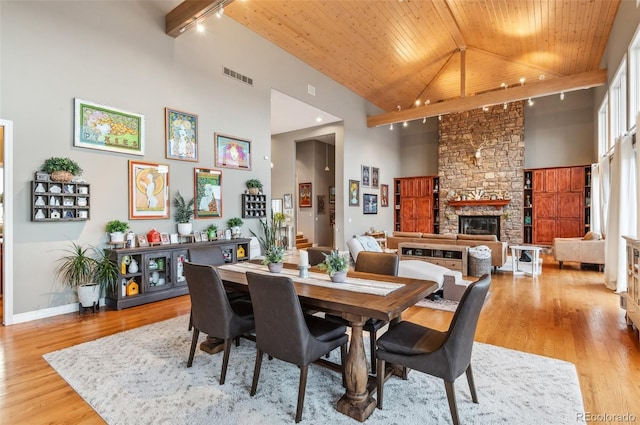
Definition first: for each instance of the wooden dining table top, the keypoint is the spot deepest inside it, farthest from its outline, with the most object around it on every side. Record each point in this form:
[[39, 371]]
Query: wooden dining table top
[[335, 300]]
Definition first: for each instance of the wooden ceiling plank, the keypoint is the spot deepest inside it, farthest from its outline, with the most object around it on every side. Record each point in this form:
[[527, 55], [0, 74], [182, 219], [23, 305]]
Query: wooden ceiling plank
[[452, 28], [517, 93]]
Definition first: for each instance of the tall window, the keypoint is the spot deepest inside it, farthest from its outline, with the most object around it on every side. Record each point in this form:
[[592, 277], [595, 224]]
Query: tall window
[[603, 127], [634, 79], [618, 101]]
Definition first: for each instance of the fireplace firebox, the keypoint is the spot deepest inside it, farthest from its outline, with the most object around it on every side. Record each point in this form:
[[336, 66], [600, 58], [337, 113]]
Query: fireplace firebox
[[479, 225]]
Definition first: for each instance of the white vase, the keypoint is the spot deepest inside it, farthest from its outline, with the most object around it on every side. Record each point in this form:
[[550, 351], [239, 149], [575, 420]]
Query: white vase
[[339, 277], [185, 228], [89, 294], [275, 267], [117, 236]]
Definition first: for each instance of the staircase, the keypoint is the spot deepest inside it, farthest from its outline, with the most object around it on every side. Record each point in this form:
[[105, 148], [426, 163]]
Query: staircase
[[302, 242]]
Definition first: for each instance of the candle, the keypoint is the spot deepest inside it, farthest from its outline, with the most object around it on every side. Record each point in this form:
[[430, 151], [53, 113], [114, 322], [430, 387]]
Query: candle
[[304, 258]]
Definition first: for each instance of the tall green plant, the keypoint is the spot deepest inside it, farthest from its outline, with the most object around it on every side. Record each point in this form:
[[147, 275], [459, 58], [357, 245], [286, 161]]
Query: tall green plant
[[183, 209], [268, 238]]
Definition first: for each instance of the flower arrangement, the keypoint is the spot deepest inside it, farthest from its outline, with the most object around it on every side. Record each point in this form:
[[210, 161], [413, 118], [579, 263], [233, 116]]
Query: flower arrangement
[[273, 255], [334, 263]]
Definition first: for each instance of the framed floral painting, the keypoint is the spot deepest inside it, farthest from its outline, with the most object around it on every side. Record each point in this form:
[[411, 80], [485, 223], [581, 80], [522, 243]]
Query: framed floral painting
[[207, 193], [148, 190], [181, 135], [354, 193], [304, 195], [232, 152]]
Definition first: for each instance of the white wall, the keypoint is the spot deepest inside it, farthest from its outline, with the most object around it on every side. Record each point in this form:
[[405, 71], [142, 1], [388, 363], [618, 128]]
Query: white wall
[[116, 53]]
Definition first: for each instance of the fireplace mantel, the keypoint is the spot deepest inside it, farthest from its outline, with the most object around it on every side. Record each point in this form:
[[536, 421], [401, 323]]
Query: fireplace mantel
[[498, 203]]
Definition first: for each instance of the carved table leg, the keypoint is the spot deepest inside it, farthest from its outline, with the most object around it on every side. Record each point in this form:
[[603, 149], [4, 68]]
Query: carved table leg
[[356, 402]]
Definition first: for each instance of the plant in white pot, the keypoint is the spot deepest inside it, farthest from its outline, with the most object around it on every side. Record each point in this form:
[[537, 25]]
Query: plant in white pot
[[234, 224], [336, 266], [183, 214], [77, 270], [254, 186], [271, 248], [116, 229]]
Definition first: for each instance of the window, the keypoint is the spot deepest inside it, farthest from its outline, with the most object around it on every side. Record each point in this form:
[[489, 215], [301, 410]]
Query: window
[[634, 79], [603, 127], [618, 101]]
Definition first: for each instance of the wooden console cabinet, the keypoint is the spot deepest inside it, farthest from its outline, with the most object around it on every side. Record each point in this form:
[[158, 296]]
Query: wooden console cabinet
[[159, 273], [633, 281], [452, 257]]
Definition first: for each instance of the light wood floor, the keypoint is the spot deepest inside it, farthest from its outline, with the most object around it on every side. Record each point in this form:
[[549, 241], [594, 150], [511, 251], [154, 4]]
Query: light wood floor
[[565, 314]]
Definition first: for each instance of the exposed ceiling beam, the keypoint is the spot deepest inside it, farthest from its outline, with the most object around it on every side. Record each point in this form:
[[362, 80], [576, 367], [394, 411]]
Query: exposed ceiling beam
[[444, 11], [188, 12], [543, 88]]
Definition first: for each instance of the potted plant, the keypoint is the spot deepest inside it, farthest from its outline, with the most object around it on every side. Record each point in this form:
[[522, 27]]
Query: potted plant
[[234, 224], [76, 270], [273, 252], [61, 169], [116, 229], [254, 186], [336, 265], [212, 232], [183, 214], [105, 271]]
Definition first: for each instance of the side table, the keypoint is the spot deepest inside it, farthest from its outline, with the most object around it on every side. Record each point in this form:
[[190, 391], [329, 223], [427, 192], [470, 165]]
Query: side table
[[535, 263]]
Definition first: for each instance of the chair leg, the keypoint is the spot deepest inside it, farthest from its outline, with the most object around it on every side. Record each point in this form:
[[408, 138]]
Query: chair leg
[[451, 397], [301, 391], [343, 360], [372, 341], [472, 385], [190, 320], [237, 341], [194, 343], [225, 360], [380, 382], [256, 372]]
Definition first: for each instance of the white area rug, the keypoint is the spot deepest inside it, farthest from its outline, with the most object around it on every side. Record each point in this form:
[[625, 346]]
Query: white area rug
[[140, 377], [441, 304]]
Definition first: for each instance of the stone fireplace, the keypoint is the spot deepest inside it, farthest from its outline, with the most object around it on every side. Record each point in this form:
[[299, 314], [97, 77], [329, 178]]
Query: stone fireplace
[[481, 155], [479, 225]]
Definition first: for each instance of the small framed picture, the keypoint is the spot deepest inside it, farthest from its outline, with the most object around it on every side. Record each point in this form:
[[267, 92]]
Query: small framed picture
[[354, 193], [366, 176], [164, 238], [375, 174], [369, 203], [304, 195], [384, 195], [204, 236], [181, 135], [142, 240], [174, 238], [288, 201], [332, 194], [196, 237]]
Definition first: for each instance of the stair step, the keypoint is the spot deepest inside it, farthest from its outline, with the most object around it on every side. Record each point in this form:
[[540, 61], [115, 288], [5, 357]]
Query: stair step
[[304, 245]]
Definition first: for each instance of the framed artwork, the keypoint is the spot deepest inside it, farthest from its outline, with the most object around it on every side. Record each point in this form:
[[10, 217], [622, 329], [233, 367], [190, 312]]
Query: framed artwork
[[204, 236], [276, 206], [106, 128], [288, 202], [332, 217], [207, 193], [164, 238], [232, 152], [148, 190], [174, 238], [304, 195], [366, 176], [321, 199], [197, 237], [332, 194], [181, 135], [142, 240], [384, 195], [375, 174], [369, 203], [354, 193]]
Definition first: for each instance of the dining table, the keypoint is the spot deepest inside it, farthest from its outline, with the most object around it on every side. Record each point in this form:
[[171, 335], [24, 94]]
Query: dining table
[[360, 297]]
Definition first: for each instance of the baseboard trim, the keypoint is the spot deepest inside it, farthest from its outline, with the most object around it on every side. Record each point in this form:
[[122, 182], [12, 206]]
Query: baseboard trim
[[47, 312]]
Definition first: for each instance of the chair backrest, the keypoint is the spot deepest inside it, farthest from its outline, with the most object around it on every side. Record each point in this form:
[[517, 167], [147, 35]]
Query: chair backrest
[[316, 254], [281, 330], [207, 254], [462, 330], [378, 263], [210, 308]]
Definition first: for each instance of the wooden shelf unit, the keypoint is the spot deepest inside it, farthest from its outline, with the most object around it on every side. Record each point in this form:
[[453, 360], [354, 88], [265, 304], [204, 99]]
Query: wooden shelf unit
[[160, 270], [450, 256], [60, 201], [254, 206]]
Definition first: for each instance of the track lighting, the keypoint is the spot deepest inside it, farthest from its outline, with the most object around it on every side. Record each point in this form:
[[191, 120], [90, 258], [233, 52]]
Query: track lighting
[[485, 108], [391, 126], [399, 108], [418, 102], [531, 102], [522, 80], [439, 117], [326, 157], [199, 27], [424, 120], [404, 124], [216, 7], [220, 11], [427, 102], [504, 85], [561, 95]]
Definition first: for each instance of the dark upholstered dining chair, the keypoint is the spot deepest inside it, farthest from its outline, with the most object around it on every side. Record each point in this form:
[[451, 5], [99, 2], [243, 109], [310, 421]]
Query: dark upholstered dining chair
[[378, 263], [213, 313], [211, 255], [283, 331], [316, 254], [445, 355]]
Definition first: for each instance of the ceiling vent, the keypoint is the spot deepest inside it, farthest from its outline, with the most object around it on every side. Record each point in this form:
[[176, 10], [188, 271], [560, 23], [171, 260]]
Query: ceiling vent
[[237, 76]]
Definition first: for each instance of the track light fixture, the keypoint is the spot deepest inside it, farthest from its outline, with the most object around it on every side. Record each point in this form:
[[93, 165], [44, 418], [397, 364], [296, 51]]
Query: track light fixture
[[405, 124], [504, 106], [197, 20], [561, 95], [424, 120], [522, 80], [391, 126], [531, 102], [220, 11]]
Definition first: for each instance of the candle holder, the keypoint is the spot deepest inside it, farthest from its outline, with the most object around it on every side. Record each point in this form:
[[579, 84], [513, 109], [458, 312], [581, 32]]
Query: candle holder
[[304, 271]]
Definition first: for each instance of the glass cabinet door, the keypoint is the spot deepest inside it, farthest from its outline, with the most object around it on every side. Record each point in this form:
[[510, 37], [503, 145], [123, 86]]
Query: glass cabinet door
[[157, 270]]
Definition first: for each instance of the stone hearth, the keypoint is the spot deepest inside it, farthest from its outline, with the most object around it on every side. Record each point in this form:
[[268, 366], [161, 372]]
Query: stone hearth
[[498, 135]]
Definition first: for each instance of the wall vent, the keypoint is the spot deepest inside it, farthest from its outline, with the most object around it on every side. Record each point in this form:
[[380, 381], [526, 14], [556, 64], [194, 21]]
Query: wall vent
[[237, 76]]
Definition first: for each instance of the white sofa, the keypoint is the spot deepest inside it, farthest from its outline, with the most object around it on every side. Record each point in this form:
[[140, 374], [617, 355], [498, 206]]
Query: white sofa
[[450, 281]]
